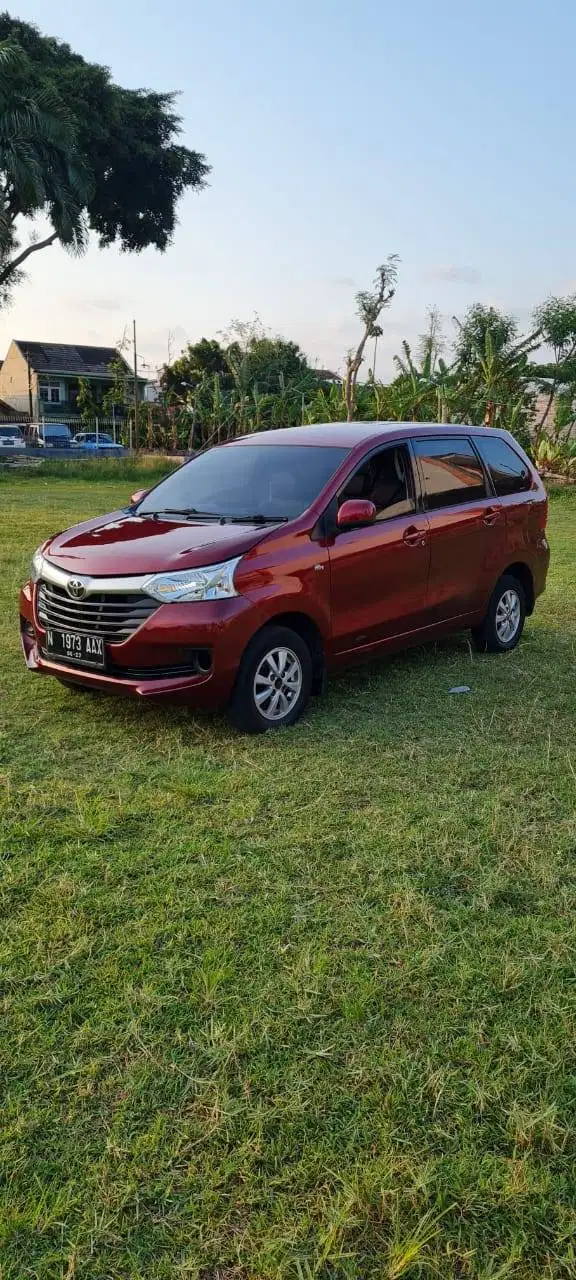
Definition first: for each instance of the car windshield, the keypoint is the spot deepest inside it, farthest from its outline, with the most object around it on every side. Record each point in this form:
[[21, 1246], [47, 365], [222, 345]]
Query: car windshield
[[56, 429], [9, 433], [252, 481]]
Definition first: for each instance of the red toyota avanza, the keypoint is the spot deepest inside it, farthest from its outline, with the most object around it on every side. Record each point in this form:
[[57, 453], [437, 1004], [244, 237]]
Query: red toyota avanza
[[261, 565]]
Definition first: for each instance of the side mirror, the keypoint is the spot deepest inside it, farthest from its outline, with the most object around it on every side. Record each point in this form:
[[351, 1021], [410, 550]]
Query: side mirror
[[356, 512], [138, 497]]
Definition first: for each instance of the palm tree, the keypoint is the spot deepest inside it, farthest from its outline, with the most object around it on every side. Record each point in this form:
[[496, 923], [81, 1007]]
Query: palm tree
[[39, 166]]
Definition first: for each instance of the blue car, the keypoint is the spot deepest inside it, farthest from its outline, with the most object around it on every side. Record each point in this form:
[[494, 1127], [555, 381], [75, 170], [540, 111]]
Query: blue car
[[92, 442]]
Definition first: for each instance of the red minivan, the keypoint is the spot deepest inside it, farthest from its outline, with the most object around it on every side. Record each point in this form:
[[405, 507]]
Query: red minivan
[[262, 564]]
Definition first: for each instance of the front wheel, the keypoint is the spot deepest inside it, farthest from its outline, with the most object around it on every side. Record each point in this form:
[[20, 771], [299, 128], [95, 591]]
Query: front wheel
[[504, 621], [274, 681]]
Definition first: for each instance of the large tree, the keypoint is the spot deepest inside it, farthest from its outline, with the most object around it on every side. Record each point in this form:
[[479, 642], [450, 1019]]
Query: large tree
[[198, 361], [84, 152], [250, 358]]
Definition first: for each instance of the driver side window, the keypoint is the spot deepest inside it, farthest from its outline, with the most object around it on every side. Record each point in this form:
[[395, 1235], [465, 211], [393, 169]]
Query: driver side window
[[386, 480]]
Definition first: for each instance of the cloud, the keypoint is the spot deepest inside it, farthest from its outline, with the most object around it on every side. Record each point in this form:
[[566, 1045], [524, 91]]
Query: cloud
[[97, 303], [452, 274]]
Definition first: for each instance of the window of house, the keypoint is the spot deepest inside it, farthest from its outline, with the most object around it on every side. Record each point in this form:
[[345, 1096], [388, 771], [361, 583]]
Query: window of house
[[451, 471], [508, 472], [49, 392], [386, 480]]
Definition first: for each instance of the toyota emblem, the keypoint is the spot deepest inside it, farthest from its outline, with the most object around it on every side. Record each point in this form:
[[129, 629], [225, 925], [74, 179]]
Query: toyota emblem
[[76, 588]]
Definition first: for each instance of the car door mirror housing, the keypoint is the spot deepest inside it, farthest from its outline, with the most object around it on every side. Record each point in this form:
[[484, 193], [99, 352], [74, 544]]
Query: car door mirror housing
[[138, 497], [356, 512]]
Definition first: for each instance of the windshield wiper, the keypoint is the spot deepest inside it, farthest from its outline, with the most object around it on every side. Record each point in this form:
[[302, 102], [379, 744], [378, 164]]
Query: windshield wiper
[[189, 512], [259, 518]]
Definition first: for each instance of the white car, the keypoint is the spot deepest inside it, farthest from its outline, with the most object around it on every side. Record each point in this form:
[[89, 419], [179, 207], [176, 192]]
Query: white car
[[11, 436]]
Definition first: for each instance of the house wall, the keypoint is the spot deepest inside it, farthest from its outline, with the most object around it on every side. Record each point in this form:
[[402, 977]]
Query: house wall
[[14, 380]]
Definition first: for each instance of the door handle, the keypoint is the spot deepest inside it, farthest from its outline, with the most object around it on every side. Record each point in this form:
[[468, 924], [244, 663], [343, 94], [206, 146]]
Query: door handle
[[491, 516], [414, 537]]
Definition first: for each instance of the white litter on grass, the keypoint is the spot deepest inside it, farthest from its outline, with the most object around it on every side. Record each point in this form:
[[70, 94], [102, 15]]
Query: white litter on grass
[[460, 688]]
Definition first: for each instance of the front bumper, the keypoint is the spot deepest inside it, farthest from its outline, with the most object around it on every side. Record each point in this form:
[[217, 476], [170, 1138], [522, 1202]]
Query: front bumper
[[167, 641]]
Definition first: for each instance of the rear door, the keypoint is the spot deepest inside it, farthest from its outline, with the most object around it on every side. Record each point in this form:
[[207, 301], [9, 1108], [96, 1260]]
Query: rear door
[[378, 574], [521, 493], [467, 526]]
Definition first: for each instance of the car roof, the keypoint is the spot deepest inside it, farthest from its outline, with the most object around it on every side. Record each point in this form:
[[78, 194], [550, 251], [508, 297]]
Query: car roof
[[349, 434]]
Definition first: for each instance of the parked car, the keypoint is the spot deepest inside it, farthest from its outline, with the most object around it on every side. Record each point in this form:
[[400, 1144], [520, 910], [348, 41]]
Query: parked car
[[49, 435], [259, 566], [93, 442], [11, 436]]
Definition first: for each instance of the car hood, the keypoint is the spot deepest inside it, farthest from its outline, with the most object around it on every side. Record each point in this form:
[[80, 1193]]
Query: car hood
[[121, 544]]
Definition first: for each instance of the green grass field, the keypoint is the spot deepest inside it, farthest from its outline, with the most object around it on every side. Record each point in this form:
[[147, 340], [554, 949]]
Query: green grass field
[[297, 1006]]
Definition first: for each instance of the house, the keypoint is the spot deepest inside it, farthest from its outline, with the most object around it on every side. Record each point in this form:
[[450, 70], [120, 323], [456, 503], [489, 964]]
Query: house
[[42, 379], [152, 392]]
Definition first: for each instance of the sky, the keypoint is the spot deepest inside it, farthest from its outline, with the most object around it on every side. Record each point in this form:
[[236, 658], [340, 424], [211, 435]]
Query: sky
[[338, 131]]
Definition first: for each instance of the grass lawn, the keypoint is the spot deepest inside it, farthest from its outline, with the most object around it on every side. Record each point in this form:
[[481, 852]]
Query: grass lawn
[[297, 1006]]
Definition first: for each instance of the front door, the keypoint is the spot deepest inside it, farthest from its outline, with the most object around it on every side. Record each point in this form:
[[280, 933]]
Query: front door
[[466, 527], [378, 574]]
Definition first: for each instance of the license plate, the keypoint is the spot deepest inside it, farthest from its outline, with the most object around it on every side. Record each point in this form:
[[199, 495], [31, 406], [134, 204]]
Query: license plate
[[85, 651]]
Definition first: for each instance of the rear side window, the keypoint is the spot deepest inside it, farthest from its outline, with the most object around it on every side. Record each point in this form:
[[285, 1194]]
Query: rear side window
[[451, 471], [508, 472]]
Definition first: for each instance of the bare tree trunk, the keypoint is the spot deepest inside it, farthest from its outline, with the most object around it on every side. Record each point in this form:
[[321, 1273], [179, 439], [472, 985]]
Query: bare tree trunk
[[12, 266], [549, 403], [353, 363]]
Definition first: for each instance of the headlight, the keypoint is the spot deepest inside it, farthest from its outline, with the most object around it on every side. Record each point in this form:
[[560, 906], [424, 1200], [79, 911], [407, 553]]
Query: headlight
[[215, 582], [36, 565]]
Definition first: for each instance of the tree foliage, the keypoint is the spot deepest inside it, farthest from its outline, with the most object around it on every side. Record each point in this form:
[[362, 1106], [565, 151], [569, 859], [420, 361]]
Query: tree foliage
[[556, 321], [86, 400], [83, 151], [251, 382], [198, 361]]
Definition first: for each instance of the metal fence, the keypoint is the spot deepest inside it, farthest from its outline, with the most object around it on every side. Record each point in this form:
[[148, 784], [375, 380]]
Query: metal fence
[[120, 431]]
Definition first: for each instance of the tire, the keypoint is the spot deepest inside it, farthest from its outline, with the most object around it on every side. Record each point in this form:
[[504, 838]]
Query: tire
[[507, 604], [259, 702]]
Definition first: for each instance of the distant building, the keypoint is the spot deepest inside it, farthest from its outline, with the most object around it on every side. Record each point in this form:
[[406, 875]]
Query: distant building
[[42, 379]]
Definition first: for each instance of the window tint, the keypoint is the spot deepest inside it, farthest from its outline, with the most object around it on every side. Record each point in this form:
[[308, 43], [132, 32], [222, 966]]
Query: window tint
[[386, 480], [508, 472], [451, 472], [250, 479]]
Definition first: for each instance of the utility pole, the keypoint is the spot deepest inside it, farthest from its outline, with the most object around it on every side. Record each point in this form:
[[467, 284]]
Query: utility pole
[[136, 432], [27, 355]]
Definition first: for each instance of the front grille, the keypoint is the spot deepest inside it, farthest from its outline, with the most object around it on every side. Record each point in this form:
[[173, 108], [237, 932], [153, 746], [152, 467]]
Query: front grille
[[114, 617]]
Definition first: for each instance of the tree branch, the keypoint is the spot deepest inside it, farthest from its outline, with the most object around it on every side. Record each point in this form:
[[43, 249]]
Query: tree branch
[[12, 266]]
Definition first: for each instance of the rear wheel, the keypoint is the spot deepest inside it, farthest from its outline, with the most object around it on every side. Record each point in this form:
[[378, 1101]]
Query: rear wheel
[[274, 681], [505, 617]]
